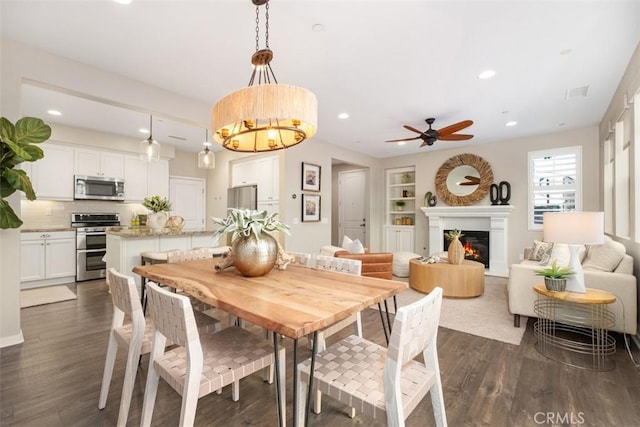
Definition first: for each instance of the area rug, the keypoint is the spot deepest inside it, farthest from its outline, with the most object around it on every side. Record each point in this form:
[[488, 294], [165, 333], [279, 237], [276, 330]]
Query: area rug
[[48, 295], [486, 316]]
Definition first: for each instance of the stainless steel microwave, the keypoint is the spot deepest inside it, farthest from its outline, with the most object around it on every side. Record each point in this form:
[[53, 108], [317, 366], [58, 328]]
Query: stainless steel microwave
[[98, 188]]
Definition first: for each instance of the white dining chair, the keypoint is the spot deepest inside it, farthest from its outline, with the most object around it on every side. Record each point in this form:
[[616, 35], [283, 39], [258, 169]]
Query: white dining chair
[[134, 335], [347, 266], [199, 365], [300, 258], [380, 382]]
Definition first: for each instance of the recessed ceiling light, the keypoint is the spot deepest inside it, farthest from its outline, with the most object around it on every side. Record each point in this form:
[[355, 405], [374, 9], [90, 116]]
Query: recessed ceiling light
[[343, 116], [486, 74], [317, 28], [123, 1], [511, 123], [54, 112], [143, 130], [561, 124], [565, 51], [401, 143]]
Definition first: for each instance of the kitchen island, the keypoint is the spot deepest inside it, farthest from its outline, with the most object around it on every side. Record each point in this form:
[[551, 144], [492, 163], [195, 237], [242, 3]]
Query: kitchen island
[[124, 245]]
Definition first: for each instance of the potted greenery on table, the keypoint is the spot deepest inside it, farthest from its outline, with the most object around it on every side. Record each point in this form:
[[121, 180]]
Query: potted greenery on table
[[555, 277], [253, 249], [159, 206]]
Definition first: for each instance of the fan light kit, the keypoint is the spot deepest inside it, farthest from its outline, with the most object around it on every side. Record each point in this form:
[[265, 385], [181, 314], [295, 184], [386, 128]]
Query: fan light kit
[[430, 135]]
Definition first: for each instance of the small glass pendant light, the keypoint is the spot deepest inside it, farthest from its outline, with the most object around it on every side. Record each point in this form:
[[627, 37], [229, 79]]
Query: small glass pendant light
[[149, 148], [206, 158]]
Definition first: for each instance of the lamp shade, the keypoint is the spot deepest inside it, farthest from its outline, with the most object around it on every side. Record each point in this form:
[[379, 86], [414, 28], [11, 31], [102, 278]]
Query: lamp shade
[[574, 228], [265, 117], [149, 150], [206, 159]]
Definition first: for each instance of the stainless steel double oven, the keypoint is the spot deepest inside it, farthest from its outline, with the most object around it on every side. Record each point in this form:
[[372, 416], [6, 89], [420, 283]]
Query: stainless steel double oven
[[91, 243]]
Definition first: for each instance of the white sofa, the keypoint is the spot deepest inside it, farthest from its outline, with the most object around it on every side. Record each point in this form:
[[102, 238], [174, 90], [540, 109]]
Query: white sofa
[[621, 282]]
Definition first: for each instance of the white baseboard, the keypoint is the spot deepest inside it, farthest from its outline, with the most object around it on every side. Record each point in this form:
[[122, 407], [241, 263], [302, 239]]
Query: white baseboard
[[11, 340]]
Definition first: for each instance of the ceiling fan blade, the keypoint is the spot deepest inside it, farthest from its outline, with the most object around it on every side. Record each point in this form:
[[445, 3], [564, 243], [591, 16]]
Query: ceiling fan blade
[[413, 129], [455, 137], [403, 139], [468, 183], [472, 178], [455, 127]]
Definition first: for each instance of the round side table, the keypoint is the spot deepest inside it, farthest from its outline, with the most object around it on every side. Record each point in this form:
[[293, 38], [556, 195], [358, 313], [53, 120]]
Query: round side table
[[572, 328], [457, 281]]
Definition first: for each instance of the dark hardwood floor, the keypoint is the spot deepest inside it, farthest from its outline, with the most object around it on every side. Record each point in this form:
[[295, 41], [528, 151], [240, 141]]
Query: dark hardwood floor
[[53, 379]]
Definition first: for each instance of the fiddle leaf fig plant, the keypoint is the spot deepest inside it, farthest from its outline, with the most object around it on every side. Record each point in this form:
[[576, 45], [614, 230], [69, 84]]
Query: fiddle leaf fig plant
[[17, 145]]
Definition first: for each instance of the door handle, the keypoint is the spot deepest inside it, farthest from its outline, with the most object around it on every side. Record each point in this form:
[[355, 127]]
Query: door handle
[[362, 225]]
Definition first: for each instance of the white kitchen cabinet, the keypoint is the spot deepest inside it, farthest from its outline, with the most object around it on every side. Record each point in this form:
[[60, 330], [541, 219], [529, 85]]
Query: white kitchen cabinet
[[398, 239], [123, 252], [142, 179], [158, 178], [99, 163], [264, 171], [272, 206], [52, 176], [47, 258]]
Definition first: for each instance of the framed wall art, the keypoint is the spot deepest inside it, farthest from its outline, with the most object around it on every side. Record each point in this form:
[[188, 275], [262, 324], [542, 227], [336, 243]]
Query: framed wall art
[[310, 208], [310, 177]]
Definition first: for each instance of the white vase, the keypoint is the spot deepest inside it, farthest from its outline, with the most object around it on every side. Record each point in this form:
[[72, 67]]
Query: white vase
[[157, 221]]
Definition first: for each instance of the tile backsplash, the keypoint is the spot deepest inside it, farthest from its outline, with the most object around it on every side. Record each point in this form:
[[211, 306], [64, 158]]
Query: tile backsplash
[[47, 213]]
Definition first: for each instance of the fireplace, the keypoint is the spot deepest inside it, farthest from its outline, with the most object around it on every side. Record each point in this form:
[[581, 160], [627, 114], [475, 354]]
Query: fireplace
[[494, 219], [475, 243]]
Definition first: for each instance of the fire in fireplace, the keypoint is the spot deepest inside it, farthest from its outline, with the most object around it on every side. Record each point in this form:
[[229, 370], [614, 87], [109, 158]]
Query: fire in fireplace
[[475, 243]]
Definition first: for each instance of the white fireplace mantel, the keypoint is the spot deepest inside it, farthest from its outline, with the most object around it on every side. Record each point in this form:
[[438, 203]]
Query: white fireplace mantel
[[493, 218]]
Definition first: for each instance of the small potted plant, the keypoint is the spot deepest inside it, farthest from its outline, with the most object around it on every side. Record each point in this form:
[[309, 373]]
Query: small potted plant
[[254, 250], [400, 205], [159, 206], [555, 278]]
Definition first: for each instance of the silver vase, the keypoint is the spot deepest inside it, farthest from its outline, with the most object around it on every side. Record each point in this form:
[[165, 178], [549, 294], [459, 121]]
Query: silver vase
[[253, 257]]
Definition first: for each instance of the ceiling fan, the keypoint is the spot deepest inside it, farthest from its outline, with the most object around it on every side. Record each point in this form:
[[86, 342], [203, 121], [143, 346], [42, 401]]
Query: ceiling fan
[[430, 135]]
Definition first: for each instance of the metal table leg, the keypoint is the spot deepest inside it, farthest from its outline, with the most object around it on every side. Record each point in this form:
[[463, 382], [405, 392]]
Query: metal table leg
[[384, 326], [277, 362], [307, 410]]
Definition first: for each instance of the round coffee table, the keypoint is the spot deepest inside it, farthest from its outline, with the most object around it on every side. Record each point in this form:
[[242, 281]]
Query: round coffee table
[[457, 281]]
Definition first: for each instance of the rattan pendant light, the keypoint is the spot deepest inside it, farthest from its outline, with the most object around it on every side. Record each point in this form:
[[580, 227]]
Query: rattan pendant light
[[266, 115]]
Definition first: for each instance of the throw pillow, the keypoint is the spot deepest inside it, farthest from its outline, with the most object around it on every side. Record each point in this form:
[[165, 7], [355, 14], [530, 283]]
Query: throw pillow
[[605, 257], [355, 247], [541, 251], [346, 241]]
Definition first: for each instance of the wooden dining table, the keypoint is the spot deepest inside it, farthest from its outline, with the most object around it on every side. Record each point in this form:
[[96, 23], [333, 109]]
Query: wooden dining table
[[294, 302]]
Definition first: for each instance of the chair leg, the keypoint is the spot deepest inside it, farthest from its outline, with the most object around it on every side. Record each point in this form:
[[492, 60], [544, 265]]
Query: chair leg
[[109, 363], [235, 391], [190, 394], [150, 392], [133, 358], [301, 390]]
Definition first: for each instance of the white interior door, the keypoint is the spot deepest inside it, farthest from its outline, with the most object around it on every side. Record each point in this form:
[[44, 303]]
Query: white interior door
[[352, 205], [187, 200]]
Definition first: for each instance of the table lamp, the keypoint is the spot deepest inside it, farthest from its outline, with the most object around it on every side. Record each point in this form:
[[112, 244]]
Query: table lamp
[[574, 229]]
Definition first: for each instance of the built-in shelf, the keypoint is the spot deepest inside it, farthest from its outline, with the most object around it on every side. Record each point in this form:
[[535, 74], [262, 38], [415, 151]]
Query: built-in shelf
[[400, 185]]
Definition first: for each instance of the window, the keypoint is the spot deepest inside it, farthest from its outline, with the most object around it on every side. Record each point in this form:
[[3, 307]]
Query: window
[[555, 182]]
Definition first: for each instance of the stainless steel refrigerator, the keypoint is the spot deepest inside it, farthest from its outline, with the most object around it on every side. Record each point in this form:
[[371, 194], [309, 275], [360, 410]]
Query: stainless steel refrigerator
[[243, 197]]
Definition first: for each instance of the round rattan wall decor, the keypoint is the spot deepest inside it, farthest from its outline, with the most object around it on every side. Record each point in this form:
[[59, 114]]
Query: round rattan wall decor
[[463, 180]]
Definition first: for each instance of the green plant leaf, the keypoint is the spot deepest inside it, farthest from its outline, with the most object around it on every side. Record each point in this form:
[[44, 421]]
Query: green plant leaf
[[19, 180], [7, 130], [31, 130], [5, 188], [18, 150], [8, 218]]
